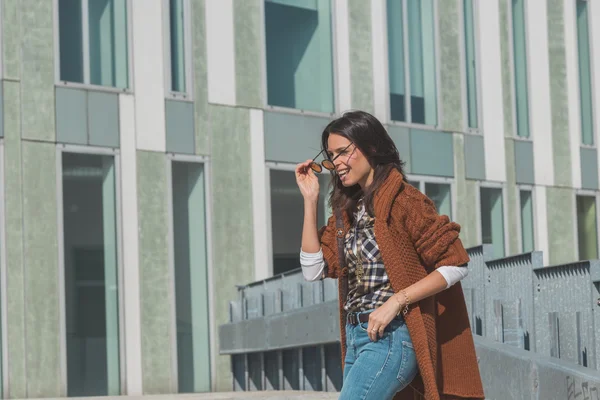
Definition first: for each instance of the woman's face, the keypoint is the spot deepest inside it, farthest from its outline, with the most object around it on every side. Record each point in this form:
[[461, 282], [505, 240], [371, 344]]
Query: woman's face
[[350, 163]]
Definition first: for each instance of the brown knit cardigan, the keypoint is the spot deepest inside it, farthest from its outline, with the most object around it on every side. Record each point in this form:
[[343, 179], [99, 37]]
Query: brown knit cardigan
[[414, 240]]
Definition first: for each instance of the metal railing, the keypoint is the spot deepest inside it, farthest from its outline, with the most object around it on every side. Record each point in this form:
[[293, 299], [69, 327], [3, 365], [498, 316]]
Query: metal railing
[[284, 332]]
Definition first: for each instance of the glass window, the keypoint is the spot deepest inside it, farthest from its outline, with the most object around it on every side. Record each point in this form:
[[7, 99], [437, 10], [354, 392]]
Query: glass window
[[585, 79], [91, 271], [412, 70], [492, 219], [440, 194], [527, 237], [287, 217], [191, 277], [299, 54], [587, 233], [93, 42], [470, 64], [520, 67], [177, 46]]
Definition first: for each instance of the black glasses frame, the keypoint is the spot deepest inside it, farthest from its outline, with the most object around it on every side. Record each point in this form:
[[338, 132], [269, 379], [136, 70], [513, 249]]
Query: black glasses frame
[[328, 163]]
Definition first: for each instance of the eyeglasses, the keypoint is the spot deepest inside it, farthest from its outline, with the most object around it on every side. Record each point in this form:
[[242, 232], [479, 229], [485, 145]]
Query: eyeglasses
[[328, 163]]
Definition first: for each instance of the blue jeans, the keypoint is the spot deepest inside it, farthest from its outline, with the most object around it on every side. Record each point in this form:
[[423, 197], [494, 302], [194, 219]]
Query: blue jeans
[[377, 370]]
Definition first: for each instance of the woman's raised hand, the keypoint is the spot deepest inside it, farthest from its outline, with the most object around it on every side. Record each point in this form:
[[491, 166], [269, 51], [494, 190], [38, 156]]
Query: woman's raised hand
[[307, 181]]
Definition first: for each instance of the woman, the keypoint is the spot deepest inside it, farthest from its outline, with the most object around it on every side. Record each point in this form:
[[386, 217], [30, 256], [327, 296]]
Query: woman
[[404, 323]]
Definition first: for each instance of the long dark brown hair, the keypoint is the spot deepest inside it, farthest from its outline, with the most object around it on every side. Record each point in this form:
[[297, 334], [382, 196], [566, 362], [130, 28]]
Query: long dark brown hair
[[369, 135]]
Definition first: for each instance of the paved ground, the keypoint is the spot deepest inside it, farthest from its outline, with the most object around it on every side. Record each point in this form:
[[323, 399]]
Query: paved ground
[[271, 395]]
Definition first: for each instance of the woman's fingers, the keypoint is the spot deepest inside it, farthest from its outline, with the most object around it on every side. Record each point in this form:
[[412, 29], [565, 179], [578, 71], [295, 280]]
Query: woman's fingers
[[303, 168]]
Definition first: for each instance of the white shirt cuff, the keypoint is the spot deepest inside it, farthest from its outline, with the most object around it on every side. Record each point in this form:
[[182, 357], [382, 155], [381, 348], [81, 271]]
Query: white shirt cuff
[[312, 264], [453, 274]]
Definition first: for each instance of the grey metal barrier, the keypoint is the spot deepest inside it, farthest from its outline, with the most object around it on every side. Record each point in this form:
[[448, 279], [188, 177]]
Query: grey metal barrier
[[284, 335], [284, 332], [509, 311], [473, 286], [567, 312]]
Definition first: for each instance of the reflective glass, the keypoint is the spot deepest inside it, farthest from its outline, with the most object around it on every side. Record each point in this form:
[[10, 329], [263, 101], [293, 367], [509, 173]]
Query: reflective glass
[[527, 238], [492, 220], [191, 277], [397, 73], [587, 232], [421, 47], [177, 45], [520, 67], [299, 54], [91, 271], [108, 42], [440, 194], [71, 41], [585, 79], [411, 51], [471, 64]]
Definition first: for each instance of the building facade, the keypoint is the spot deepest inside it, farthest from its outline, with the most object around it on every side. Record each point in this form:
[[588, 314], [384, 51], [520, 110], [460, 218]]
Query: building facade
[[147, 150]]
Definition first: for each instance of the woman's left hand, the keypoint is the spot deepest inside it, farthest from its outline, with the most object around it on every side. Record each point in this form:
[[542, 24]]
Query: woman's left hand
[[381, 317]]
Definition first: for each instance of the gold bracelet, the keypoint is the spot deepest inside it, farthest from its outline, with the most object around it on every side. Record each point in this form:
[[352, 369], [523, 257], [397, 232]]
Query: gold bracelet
[[405, 311]]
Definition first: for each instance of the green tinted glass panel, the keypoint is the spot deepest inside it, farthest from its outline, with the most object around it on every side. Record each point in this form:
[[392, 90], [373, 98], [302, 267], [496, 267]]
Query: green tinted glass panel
[[527, 240], [176, 23], [421, 49], [91, 271], [70, 40], [299, 54], [397, 72], [191, 277], [585, 79], [492, 220], [587, 233], [287, 217], [108, 42], [440, 194], [520, 67], [470, 64]]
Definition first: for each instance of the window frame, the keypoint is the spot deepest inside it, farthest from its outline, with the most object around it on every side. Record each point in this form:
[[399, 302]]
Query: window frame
[[97, 151], [592, 78], [526, 188], [386, 66], [334, 66], [212, 330], [513, 91], [3, 279], [493, 185], [85, 46], [463, 63], [439, 180], [596, 196], [187, 49]]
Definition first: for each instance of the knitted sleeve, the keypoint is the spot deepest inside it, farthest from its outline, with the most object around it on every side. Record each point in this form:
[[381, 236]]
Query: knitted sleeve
[[329, 247], [434, 236]]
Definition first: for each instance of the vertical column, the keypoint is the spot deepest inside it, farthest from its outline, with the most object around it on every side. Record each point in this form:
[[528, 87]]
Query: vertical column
[[259, 196], [361, 53], [573, 102], [40, 249], [379, 53], [536, 28], [148, 76], [13, 211], [594, 26], [342, 55], [220, 52], [487, 14], [131, 273]]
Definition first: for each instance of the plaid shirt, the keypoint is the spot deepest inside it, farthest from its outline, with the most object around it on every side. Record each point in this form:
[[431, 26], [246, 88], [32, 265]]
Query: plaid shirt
[[375, 287]]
